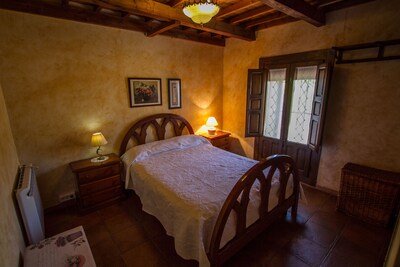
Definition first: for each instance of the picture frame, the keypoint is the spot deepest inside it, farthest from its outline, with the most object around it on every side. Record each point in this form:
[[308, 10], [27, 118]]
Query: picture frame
[[145, 92], [174, 93]]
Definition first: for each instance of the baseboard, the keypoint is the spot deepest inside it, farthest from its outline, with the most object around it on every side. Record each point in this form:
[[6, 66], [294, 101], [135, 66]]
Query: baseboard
[[328, 190], [323, 189]]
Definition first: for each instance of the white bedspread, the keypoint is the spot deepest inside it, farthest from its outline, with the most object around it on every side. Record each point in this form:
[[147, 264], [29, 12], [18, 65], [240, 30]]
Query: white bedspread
[[184, 183]]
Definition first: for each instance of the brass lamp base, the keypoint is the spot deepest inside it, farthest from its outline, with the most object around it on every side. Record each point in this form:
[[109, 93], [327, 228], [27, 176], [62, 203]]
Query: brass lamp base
[[211, 131], [100, 157]]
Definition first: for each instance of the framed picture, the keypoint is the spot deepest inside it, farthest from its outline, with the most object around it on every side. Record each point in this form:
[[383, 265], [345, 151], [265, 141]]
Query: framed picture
[[174, 93], [144, 92]]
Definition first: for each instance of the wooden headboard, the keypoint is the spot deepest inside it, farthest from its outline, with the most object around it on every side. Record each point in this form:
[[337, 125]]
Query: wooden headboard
[[138, 132]]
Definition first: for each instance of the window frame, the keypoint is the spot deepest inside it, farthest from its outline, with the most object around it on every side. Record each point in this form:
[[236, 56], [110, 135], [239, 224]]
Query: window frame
[[324, 59]]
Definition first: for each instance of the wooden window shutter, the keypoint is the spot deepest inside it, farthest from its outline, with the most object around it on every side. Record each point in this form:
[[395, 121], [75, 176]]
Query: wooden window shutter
[[319, 105], [256, 86]]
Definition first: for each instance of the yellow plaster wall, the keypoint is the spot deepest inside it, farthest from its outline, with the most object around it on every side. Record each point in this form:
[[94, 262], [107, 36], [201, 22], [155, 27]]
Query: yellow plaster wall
[[64, 80], [363, 117], [11, 240]]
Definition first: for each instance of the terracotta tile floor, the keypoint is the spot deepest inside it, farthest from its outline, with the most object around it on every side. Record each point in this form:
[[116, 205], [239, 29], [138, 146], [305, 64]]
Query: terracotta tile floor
[[123, 235]]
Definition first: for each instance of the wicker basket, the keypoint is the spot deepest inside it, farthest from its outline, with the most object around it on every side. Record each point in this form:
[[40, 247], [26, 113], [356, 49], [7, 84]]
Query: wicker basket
[[369, 194]]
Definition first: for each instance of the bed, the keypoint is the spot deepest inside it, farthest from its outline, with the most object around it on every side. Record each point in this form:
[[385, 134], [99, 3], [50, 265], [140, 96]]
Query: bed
[[211, 201]]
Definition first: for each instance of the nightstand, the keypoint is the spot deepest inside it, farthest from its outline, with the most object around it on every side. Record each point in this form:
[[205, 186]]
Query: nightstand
[[99, 183], [219, 139]]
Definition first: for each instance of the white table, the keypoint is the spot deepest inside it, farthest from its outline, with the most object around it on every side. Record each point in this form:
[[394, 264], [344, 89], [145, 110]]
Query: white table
[[68, 249]]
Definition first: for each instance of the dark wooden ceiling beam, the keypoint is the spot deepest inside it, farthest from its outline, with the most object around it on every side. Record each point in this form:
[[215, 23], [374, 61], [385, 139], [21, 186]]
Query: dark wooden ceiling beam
[[264, 10], [266, 19], [298, 9], [150, 21], [344, 4], [89, 16], [97, 9], [276, 22], [175, 3], [236, 8], [162, 28], [70, 13], [205, 34], [124, 14], [320, 3], [186, 35], [163, 12], [184, 28]]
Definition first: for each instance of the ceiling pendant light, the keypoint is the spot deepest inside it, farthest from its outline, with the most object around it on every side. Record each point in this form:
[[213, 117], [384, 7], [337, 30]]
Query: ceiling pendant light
[[201, 11]]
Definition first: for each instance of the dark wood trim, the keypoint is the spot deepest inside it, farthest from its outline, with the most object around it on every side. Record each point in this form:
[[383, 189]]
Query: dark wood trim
[[255, 102], [164, 12], [195, 37], [154, 17], [267, 19], [276, 22], [255, 13], [71, 13], [343, 4], [162, 28], [380, 47], [175, 3], [138, 131], [235, 8], [298, 9], [238, 199], [317, 55], [120, 19]]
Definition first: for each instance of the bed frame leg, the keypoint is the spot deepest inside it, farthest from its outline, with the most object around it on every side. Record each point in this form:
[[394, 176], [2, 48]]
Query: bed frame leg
[[294, 213]]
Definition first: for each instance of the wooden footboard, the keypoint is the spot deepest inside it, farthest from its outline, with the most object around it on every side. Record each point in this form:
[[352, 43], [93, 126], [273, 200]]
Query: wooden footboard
[[238, 201]]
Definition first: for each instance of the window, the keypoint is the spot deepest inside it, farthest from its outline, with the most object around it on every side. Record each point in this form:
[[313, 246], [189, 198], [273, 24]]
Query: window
[[274, 102], [302, 100]]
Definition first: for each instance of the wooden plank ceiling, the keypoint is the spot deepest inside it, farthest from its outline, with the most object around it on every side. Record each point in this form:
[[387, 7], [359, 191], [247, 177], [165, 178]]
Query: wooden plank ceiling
[[236, 18]]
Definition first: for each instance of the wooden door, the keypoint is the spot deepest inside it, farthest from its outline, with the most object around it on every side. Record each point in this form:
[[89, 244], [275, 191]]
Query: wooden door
[[292, 102]]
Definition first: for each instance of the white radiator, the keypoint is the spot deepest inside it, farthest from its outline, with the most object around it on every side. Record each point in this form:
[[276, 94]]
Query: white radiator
[[30, 204]]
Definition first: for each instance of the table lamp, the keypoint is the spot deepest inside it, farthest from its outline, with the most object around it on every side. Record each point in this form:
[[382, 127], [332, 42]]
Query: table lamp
[[98, 140], [211, 123]]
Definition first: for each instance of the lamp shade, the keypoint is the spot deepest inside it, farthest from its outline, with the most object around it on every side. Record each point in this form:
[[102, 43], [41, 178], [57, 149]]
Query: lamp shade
[[201, 11], [211, 122], [98, 139]]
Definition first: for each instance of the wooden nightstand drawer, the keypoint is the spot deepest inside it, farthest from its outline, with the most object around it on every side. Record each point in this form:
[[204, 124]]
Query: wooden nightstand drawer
[[221, 142], [225, 147], [96, 174], [99, 185], [94, 199]]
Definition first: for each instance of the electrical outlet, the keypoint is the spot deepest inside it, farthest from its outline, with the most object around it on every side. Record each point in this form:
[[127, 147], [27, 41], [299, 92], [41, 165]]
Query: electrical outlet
[[66, 196]]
